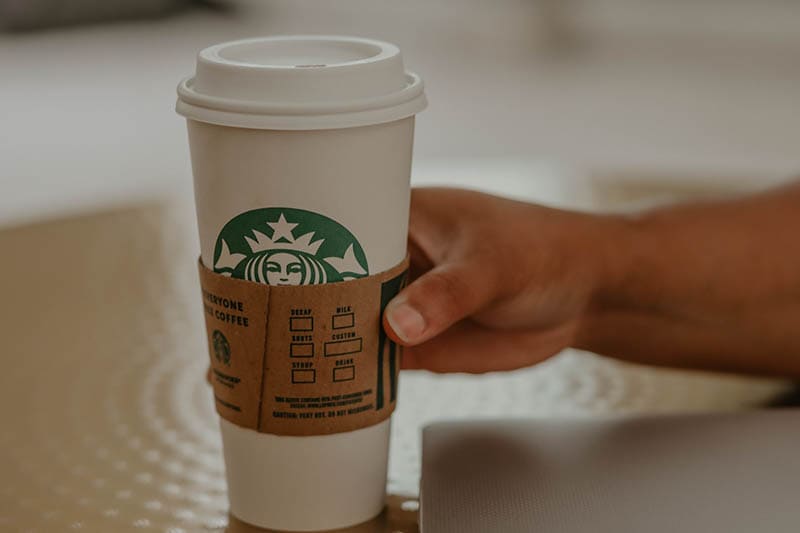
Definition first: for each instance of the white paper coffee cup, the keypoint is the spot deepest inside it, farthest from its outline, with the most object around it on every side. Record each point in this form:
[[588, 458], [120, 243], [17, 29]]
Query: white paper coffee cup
[[281, 127]]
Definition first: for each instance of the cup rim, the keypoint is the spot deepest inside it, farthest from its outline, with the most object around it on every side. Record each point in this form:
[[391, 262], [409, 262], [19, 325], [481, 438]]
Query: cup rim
[[402, 101]]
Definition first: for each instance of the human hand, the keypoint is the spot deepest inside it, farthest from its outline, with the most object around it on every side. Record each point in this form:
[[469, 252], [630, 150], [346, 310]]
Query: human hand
[[496, 284]]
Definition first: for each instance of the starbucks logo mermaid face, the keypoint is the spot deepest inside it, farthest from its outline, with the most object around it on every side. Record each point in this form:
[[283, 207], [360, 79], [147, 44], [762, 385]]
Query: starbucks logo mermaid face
[[286, 246]]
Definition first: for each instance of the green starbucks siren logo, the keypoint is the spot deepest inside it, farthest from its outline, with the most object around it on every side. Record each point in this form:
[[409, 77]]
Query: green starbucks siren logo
[[222, 349], [285, 246]]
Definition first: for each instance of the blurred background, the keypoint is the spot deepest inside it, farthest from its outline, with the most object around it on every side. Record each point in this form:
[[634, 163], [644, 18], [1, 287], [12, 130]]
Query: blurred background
[[602, 105], [703, 90]]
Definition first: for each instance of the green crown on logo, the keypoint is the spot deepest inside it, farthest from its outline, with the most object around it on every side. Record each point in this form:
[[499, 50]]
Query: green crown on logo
[[287, 246]]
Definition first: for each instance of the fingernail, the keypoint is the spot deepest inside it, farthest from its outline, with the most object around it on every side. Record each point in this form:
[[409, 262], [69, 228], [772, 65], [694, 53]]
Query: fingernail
[[406, 322]]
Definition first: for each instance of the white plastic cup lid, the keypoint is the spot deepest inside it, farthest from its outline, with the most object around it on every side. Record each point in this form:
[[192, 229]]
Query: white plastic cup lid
[[300, 83]]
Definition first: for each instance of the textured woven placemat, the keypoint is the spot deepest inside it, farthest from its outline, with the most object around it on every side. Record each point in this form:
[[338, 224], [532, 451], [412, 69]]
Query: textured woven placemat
[[109, 423]]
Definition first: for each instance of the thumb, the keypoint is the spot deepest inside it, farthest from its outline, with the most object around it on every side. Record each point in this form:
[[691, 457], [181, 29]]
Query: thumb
[[438, 299]]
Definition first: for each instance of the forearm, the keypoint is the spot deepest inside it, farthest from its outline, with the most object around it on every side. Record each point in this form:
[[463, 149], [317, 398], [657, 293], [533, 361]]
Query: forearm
[[708, 286]]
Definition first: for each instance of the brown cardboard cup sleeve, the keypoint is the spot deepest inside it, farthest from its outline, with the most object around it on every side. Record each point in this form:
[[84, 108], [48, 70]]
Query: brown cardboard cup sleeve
[[302, 360]]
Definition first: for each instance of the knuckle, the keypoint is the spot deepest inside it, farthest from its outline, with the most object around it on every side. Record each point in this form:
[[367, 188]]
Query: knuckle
[[453, 292]]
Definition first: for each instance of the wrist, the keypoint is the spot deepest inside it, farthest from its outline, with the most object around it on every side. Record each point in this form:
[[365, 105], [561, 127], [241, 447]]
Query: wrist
[[631, 252], [609, 241], [615, 243]]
